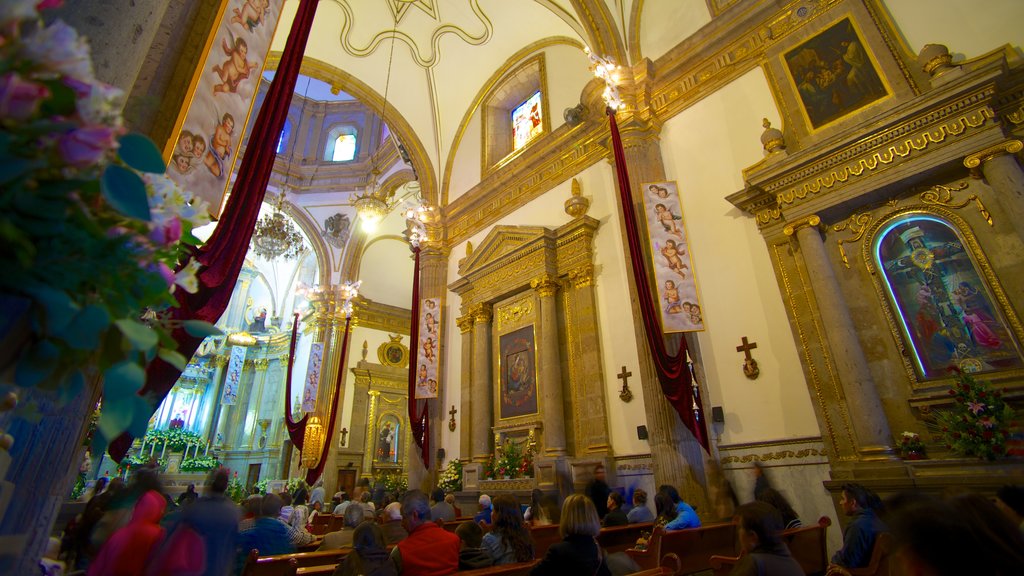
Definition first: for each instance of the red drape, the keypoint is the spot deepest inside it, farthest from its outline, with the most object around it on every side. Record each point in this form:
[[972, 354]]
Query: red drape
[[419, 423], [296, 430], [332, 413], [221, 257], [673, 370]]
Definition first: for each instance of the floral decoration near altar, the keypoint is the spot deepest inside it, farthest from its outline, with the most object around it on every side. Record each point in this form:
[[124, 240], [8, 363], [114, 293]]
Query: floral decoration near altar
[[509, 461], [978, 424], [92, 229], [450, 479]]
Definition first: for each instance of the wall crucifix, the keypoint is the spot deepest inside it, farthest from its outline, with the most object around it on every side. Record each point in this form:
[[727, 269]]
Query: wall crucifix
[[451, 421], [625, 394], [750, 369]]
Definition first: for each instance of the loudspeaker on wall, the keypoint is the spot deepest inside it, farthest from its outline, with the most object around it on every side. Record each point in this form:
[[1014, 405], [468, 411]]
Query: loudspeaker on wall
[[641, 432], [717, 414]]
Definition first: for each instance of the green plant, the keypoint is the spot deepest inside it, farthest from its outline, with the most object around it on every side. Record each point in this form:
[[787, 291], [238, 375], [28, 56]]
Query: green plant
[[450, 479], [91, 227], [177, 439], [199, 464], [393, 481], [910, 445], [261, 486], [236, 490], [978, 423]]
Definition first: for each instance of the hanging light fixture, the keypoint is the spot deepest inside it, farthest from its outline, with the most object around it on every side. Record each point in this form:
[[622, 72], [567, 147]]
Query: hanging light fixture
[[372, 204], [276, 237], [312, 442]]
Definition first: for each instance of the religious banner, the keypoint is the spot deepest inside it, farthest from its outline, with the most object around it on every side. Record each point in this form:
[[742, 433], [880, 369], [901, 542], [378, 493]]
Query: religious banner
[[210, 131], [426, 372], [517, 365], [234, 375], [673, 268], [316, 356]]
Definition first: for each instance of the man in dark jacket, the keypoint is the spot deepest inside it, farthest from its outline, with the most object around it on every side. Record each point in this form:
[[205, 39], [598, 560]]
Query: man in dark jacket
[[859, 537], [598, 491], [215, 519]]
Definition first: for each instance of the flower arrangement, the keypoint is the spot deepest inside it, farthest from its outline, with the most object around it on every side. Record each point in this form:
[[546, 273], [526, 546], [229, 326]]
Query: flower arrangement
[[978, 423], [511, 461], [394, 482], [295, 483], [134, 462], [450, 479], [177, 439], [910, 446], [236, 490], [261, 486], [199, 464], [92, 229]]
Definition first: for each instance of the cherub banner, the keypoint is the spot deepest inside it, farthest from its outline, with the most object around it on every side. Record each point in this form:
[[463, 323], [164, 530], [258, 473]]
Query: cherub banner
[[234, 375], [205, 147], [673, 268], [426, 370], [316, 356]]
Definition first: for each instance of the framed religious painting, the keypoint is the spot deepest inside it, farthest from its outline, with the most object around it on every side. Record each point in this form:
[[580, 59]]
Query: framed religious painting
[[674, 281], [946, 304], [517, 367], [837, 69]]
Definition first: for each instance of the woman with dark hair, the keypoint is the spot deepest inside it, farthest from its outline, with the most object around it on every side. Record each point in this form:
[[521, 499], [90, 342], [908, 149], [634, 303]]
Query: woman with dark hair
[[664, 508], [758, 525], [509, 540], [615, 515], [774, 498], [300, 512], [578, 552], [685, 517], [369, 555], [533, 510]]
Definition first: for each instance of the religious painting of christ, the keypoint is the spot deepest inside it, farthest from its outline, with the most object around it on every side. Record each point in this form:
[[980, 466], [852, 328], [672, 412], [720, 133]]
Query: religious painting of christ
[[834, 74], [945, 308], [518, 369], [673, 266]]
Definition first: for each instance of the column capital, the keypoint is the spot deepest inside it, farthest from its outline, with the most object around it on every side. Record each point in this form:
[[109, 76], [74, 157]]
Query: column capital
[[974, 161], [812, 221], [582, 276], [545, 285], [465, 322], [481, 313]]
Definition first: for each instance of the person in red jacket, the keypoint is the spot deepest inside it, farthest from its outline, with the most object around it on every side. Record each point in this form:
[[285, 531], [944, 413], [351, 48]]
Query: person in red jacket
[[126, 552], [429, 550]]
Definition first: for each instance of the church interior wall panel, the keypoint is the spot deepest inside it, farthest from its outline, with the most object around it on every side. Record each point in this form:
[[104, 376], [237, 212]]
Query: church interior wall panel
[[705, 149], [466, 171], [386, 272], [967, 29], [664, 24]]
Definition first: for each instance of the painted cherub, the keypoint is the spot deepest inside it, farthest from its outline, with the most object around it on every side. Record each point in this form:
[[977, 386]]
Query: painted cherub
[[668, 219], [182, 164], [671, 297], [220, 145], [236, 68], [674, 255], [251, 14]]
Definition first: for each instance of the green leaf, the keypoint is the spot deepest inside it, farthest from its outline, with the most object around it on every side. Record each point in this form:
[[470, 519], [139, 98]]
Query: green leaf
[[11, 169], [73, 386], [173, 357], [99, 444], [126, 192], [37, 364], [61, 101], [142, 337], [141, 153], [58, 306], [84, 331], [115, 416], [141, 413], [123, 380], [200, 329]]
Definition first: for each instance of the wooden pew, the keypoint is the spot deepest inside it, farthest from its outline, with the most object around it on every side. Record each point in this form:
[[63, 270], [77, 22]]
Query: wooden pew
[[807, 544], [269, 566], [620, 538], [543, 538], [879, 564], [319, 525], [670, 566], [305, 559], [519, 569], [335, 523], [693, 546]]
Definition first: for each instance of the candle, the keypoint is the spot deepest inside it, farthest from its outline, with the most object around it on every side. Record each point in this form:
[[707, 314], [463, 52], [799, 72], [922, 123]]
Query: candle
[[163, 449], [152, 448], [207, 448], [143, 447]]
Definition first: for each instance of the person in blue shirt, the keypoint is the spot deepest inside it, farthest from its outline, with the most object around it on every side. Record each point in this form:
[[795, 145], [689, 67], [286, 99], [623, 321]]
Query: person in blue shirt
[[859, 504], [484, 515], [686, 516], [640, 513]]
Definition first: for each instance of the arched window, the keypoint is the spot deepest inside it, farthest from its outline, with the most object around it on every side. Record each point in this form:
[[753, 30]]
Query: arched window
[[282, 140], [943, 306], [341, 144]]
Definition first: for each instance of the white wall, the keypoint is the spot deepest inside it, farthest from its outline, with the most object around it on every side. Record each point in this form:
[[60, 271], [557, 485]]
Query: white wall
[[663, 25], [967, 28], [705, 148]]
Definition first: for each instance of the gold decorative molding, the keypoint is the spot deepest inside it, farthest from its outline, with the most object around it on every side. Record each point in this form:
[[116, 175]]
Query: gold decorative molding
[[857, 224], [582, 276], [778, 455], [940, 195], [546, 285], [789, 442], [812, 221], [383, 317], [482, 313], [511, 314], [465, 323], [974, 161]]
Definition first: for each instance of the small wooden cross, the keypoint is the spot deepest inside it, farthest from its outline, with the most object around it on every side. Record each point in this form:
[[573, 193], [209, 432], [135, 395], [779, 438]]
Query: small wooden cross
[[451, 421], [344, 436], [625, 394], [750, 369]]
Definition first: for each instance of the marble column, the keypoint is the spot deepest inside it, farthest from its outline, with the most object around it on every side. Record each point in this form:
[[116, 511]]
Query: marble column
[[871, 427], [433, 276], [550, 372], [465, 417], [998, 164], [483, 410]]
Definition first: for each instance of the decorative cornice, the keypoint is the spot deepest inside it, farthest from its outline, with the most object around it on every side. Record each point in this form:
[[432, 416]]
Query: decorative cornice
[[975, 161], [812, 221], [482, 313], [383, 317], [546, 285]]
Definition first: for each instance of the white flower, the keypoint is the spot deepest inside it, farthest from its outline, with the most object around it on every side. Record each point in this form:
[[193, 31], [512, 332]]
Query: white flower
[[168, 199], [909, 435], [18, 10], [186, 277], [102, 106], [59, 48]]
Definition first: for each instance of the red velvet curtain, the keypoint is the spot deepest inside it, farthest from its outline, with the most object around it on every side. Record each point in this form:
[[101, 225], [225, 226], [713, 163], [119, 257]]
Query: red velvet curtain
[[673, 370], [221, 257], [296, 430], [419, 423], [332, 413]]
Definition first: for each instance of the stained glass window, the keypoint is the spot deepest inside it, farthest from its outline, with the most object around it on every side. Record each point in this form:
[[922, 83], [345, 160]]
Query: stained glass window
[[944, 307], [344, 148], [282, 140], [527, 121]]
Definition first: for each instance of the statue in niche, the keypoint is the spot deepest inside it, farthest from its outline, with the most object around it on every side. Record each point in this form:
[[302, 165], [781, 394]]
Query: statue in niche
[[337, 229], [387, 440]]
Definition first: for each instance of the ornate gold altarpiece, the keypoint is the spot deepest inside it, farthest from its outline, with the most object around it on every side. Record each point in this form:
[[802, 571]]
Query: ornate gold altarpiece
[[381, 393]]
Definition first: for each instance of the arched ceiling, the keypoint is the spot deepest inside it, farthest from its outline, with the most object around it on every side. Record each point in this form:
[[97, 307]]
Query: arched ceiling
[[443, 52]]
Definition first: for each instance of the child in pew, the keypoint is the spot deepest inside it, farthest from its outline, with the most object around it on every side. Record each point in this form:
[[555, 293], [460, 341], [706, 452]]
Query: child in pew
[[764, 554], [471, 554], [369, 556]]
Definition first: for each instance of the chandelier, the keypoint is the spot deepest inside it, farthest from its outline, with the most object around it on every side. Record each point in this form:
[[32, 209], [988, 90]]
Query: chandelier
[[276, 237], [371, 205]]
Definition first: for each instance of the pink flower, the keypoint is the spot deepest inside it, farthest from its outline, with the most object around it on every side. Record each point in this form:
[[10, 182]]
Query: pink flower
[[166, 232], [975, 407], [59, 48], [987, 422], [166, 273], [85, 146], [20, 98]]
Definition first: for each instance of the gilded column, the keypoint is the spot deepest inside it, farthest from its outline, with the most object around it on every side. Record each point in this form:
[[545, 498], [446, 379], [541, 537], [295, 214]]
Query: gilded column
[[998, 164], [261, 365], [483, 409], [465, 422], [591, 433], [550, 371], [871, 427]]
